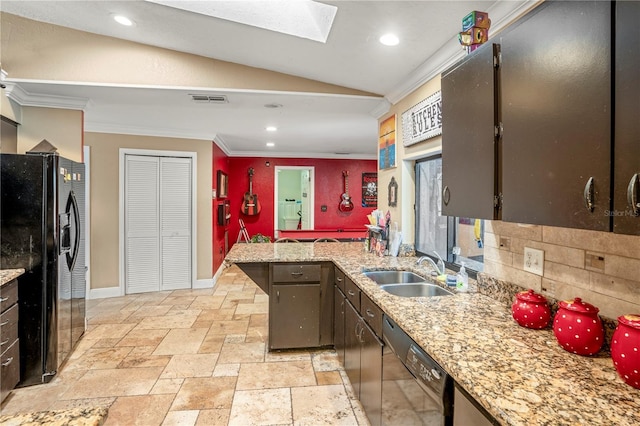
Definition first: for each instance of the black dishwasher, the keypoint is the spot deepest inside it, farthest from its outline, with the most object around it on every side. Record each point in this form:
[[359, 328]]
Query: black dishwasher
[[415, 389]]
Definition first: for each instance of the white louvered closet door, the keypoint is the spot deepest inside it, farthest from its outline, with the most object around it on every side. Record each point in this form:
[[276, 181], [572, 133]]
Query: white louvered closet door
[[175, 222], [157, 223], [142, 221]]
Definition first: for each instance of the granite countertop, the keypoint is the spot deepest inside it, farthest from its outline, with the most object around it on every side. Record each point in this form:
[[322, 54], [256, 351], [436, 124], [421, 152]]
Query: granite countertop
[[521, 376], [8, 275], [83, 416]]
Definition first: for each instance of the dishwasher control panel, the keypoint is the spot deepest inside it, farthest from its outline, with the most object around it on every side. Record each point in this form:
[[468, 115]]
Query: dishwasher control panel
[[426, 370]]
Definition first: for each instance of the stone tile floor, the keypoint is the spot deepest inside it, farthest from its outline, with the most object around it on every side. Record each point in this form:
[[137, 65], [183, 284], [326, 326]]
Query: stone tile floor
[[194, 357]]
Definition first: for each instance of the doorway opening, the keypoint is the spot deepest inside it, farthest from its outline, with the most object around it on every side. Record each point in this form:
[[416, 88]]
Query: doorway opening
[[293, 198]]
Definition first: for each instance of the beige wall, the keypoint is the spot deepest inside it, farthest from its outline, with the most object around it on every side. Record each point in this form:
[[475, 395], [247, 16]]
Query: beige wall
[[61, 127], [612, 283], [104, 175], [8, 108], [405, 158], [72, 55]]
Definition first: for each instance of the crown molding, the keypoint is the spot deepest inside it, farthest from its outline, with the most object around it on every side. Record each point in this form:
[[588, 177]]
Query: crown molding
[[222, 144], [381, 109], [305, 154], [24, 98], [501, 13]]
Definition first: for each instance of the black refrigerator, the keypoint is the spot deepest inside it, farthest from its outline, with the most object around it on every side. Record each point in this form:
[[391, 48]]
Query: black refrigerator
[[42, 230]]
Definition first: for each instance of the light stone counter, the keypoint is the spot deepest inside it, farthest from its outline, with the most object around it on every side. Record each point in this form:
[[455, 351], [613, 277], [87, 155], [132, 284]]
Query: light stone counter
[[521, 376], [93, 416], [8, 275]]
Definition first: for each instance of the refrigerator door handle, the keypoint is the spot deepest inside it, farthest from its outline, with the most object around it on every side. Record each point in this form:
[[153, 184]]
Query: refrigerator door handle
[[72, 202]]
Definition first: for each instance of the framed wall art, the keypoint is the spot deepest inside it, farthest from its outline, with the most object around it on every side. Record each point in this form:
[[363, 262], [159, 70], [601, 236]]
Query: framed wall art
[[223, 184], [393, 192], [369, 189], [387, 143]]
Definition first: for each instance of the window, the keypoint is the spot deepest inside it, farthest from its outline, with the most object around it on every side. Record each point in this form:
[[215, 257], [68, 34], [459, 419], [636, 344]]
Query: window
[[455, 239]]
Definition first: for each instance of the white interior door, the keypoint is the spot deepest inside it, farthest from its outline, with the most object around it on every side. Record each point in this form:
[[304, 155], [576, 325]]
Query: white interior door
[[175, 222], [157, 226]]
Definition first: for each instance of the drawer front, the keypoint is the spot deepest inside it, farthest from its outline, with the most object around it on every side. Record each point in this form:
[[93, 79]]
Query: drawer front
[[296, 273], [352, 291], [8, 327], [8, 295], [338, 279], [9, 369], [371, 313]]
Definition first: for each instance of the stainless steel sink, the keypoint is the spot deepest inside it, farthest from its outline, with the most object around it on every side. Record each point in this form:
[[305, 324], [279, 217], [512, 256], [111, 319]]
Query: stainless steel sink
[[394, 277], [416, 290]]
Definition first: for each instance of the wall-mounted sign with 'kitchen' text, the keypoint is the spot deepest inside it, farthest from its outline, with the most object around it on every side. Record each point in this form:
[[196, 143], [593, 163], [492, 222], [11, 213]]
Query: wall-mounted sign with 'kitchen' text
[[423, 120]]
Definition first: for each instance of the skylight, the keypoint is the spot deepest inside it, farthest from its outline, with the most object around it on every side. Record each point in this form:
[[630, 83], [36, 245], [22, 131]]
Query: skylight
[[301, 18]]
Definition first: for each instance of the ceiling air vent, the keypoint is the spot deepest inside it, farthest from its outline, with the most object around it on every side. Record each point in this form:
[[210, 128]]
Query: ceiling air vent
[[209, 99]]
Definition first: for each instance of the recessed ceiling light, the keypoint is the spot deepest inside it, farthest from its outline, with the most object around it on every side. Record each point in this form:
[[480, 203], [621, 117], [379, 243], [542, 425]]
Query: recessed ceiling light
[[389, 40], [271, 128], [270, 144], [123, 20]]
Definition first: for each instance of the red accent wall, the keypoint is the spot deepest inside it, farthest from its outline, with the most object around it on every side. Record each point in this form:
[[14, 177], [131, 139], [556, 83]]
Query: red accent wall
[[329, 186], [220, 162]]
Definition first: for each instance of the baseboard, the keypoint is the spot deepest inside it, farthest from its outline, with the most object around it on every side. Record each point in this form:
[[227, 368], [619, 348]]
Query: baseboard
[[103, 293], [206, 283], [218, 273]]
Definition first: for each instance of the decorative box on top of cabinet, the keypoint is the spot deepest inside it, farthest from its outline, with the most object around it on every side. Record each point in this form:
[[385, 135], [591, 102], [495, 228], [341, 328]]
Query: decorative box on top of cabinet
[[9, 342]]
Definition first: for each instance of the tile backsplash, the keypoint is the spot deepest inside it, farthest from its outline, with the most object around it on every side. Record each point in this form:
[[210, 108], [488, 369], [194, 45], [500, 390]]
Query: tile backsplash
[[602, 268]]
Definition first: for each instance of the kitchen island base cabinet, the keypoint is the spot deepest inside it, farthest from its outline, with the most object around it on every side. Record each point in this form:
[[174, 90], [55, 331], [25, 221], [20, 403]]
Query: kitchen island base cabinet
[[339, 305], [294, 316], [300, 305]]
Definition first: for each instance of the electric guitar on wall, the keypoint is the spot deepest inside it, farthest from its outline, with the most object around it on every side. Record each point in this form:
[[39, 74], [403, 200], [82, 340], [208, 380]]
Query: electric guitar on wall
[[250, 204], [345, 204]]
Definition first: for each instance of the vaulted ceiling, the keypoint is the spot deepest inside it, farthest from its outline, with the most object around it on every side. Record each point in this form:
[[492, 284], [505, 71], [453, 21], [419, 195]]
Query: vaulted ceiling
[[309, 124]]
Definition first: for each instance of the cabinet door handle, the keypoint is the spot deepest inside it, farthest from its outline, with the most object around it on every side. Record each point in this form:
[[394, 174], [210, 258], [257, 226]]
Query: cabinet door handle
[[7, 362], [3, 299], [4, 343], [588, 195], [632, 194], [356, 330], [278, 296], [446, 195], [370, 314], [5, 322]]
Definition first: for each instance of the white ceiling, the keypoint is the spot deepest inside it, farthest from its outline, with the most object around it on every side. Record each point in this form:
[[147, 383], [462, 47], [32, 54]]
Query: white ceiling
[[309, 125]]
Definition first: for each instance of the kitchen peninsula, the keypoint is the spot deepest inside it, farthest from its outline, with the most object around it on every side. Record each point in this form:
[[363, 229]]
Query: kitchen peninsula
[[520, 376]]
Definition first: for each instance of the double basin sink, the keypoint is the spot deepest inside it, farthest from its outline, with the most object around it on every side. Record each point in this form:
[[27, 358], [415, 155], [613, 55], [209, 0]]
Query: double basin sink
[[406, 284]]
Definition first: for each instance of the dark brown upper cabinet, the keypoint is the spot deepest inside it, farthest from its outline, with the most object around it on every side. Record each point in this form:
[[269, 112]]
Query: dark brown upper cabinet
[[470, 182], [556, 85], [626, 199]]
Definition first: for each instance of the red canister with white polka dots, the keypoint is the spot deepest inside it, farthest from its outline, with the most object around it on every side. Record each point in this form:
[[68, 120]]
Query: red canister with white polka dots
[[625, 349], [531, 310], [578, 328]]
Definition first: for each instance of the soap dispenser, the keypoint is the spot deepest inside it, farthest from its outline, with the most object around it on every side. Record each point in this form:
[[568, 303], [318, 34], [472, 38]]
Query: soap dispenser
[[462, 281]]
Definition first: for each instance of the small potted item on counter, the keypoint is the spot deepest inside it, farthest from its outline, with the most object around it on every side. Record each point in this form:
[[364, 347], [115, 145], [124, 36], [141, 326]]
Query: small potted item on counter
[[625, 349], [578, 327], [531, 310]]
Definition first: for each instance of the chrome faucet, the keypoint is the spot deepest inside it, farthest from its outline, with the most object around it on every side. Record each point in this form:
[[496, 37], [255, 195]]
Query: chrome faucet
[[432, 263]]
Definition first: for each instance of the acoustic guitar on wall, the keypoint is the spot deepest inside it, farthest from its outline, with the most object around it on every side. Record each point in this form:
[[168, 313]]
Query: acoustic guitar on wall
[[250, 204], [346, 205]]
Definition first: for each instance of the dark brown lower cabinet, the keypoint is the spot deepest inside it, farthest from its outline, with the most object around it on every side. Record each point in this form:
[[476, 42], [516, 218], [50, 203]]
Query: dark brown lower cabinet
[[294, 316], [371, 374], [352, 347], [339, 304], [363, 363]]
